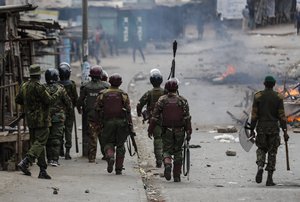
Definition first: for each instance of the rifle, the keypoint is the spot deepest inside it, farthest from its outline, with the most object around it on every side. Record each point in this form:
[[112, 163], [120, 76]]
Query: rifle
[[131, 140], [172, 72], [186, 159], [287, 155], [75, 129], [16, 121]]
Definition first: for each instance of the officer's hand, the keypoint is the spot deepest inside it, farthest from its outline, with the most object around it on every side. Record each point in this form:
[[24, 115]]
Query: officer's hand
[[188, 137], [286, 136], [252, 134], [79, 110], [150, 135]]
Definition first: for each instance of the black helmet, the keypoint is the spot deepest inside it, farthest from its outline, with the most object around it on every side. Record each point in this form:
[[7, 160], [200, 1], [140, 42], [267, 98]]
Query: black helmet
[[155, 77], [115, 80], [51, 75], [64, 70], [104, 76], [172, 85], [96, 71]]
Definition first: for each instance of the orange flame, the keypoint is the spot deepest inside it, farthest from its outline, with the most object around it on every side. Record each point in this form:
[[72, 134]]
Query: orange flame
[[230, 71], [291, 119], [292, 92]]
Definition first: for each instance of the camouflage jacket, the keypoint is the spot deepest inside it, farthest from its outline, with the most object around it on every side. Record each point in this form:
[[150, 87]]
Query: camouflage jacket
[[70, 87], [88, 95], [268, 109], [36, 101], [160, 105], [99, 106], [62, 103], [150, 98]]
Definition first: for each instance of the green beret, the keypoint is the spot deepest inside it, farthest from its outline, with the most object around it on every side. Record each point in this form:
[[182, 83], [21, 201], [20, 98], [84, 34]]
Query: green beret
[[270, 79], [34, 70]]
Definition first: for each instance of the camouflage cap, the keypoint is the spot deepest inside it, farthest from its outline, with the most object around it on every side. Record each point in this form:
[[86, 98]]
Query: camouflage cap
[[35, 70], [270, 79]]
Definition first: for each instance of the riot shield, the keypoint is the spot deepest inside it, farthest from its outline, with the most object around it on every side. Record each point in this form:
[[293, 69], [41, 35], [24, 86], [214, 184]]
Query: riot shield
[[245, 139]]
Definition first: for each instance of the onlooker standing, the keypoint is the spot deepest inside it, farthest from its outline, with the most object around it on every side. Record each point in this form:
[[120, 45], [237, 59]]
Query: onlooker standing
[[136, 45], [298, 21], [245, 13]]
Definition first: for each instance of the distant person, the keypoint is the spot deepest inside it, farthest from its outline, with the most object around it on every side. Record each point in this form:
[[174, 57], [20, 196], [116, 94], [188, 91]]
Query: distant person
[[266, 117], [298, 21], [251, 7], [112, 44], [97, 43], [136, 45], [245, 13]]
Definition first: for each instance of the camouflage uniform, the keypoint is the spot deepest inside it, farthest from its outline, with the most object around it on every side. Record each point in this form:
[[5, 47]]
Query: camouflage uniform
[[70, 87], [87, 98], [113, 111], [36, 101], [58, 109], [150, 98], [267, 111], [172, 112]]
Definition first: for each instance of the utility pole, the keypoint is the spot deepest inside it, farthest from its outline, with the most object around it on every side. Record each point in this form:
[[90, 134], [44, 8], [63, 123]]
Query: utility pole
[[85, 46], [84, 72]]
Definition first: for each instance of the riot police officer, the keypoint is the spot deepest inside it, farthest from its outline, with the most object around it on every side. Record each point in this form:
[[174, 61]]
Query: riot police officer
[[266, 116], [58, 110], [64, 70], [150, 98], [87, 99], [113, 111], [172, 112]]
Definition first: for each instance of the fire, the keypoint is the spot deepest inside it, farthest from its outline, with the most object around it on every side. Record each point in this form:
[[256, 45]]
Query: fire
[[230, 71], [292, 119], [291, 92]]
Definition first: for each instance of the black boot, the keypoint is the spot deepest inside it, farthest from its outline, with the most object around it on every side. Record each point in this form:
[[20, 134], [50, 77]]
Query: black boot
[[23, 166], [67, 154], [43, 174], [259, 174], [270, 179], [167, 172], [158, 164]]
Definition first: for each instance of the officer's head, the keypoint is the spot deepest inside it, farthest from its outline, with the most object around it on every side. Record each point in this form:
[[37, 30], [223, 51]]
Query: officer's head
[[155, 77], [96, 72], [35, 71], [64, 71], [269, 82], [51, 75], [104, 76], [172, 85], [115, 80]]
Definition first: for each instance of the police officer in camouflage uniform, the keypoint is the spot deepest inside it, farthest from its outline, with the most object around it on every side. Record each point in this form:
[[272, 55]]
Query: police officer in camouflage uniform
[[104, 76], [87, 98], [150, 98], [113, 111], [36, 101], [64, 70], [267, 114], [172, 113], [58, 109]]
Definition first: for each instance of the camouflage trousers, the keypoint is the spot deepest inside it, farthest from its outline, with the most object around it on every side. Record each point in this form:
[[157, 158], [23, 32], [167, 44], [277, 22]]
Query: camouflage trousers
[[157, 143], [115, 134], [94, 135], [54, 141], [38, 140], [267, 141], [172, 143], [68, 131]]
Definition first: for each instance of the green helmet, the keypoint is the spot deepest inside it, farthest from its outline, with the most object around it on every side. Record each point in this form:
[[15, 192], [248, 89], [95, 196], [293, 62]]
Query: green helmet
[[34, 70], [270, 79]]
